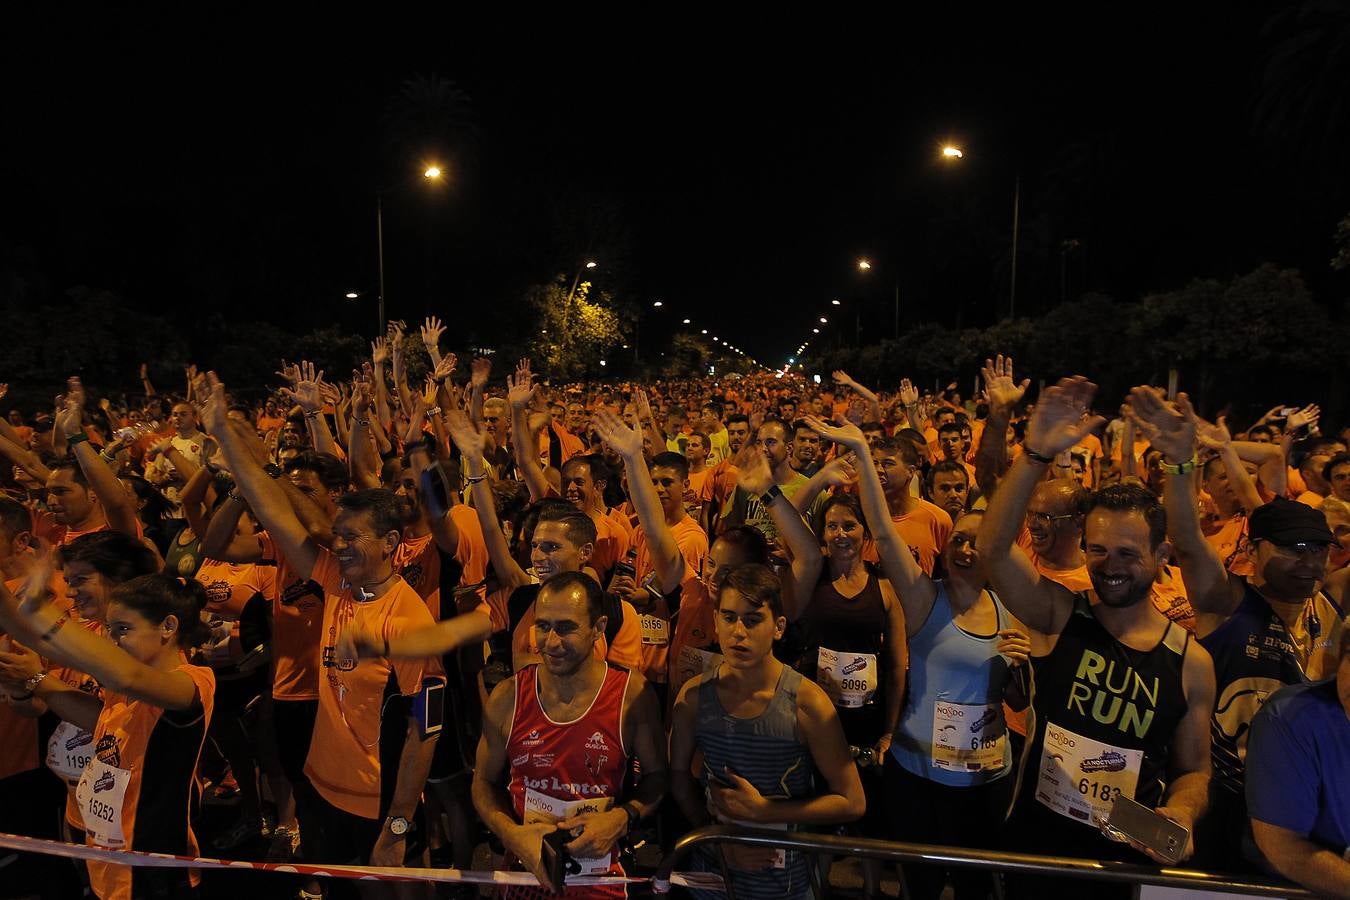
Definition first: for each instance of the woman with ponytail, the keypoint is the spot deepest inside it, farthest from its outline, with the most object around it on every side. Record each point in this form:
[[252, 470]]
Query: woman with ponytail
[[155, 709]]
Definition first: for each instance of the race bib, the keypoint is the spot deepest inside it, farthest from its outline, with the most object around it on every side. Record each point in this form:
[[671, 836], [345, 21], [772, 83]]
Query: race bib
[[69, 749], [100, 795], [543, 808], [693, 662], [968, 737], [850, 679], [1081, 778], [655, 630]]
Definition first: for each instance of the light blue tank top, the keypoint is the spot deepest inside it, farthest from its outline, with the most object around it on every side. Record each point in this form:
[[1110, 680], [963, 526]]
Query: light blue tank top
[[955, 685]]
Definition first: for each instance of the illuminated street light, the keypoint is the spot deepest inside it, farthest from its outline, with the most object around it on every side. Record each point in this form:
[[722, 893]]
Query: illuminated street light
[[352, 295], [835, 303], [602, 362], [815, 331], [705, 331], [864, 265], [823, 320], [686, 321], [656, 303], [432, 172], [951, 152], [591, 264]]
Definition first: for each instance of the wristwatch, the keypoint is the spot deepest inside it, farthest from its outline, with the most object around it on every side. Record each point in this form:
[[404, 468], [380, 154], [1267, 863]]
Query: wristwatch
[[398, 826], [1185, 468], [273, 470], [772, 494]]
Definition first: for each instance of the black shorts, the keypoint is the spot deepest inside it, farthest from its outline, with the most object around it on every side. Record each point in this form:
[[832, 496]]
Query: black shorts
[[344, 839]]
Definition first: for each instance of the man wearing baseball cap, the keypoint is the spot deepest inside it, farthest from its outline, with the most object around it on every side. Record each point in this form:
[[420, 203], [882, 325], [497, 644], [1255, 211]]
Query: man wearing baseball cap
[[1272, 628]]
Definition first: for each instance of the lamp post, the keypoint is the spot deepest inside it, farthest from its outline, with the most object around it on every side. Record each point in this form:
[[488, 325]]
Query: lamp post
[[955, 153], [431, 173]]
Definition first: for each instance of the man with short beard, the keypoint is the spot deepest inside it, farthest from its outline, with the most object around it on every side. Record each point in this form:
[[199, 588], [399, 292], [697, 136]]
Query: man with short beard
[[1123, 696], [806, 456], [948, 486], [773, 440]]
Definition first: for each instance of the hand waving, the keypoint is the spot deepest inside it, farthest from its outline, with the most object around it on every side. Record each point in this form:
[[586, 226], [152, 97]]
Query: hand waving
[[1062, 417], [1004, 392]]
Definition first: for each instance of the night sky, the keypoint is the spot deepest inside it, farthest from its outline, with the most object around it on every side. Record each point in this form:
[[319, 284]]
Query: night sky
[[735, 170]]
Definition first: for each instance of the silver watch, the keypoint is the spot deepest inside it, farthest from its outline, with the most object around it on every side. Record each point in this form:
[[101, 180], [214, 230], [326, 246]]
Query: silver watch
[[398, 826]]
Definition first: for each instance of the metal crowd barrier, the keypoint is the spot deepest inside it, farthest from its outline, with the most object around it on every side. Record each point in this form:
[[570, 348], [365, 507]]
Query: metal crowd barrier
[[988, 860]]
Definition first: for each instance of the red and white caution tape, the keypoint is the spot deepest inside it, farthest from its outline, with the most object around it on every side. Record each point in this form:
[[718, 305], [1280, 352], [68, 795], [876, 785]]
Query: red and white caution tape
[[697, 880]]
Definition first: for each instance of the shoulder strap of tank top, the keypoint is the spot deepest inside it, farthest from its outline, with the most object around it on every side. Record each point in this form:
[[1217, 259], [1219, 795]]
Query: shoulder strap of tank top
[[1176, 639], [1331, 601], [1081, 605]]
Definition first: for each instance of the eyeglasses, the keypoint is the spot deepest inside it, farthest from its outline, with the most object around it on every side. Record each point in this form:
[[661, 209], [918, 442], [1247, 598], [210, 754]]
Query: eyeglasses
[[1041, 518]]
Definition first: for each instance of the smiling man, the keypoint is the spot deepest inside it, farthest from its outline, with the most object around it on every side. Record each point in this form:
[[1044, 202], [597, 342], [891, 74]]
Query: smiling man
[[1115, 680], [558, 742]]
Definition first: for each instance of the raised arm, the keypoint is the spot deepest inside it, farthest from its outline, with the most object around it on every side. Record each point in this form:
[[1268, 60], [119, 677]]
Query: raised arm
[[873, 407], [431, 330], [991, 458], [1060, 421], [520, 390], [117, 506], [915, 589], [471, 445], [265, 496], [23, 458], [1216, 438], [667, 561], [362, 460], [1171, 427], [909, 402], [648, 423], [379, 355]]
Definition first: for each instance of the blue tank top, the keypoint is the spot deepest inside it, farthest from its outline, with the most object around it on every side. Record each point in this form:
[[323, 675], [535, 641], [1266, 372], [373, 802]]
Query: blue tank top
[[769, 752], [953, 725]]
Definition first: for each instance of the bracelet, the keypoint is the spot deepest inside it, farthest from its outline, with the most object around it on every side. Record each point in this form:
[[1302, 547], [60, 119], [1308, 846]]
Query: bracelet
[[772, 494], [56, 626], [1037, 457], [312, 414], [31, 684], [364, 423], [1184, 468], [78, 437], [472, 480], [434, 411]]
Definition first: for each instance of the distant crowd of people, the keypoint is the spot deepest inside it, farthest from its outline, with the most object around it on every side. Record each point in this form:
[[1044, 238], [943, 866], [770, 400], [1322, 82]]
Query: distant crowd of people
[[394, 620]]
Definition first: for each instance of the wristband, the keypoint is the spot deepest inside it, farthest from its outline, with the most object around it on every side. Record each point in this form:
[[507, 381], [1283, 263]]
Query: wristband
[[312, 414], [78, 437], [31, 684], [472, 480], [1185, 468], [772, 494], [1037, 457], [364, 423]]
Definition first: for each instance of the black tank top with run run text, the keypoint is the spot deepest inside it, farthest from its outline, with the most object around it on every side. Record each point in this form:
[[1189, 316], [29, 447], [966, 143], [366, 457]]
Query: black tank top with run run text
[[855, 664], [1099, 705]]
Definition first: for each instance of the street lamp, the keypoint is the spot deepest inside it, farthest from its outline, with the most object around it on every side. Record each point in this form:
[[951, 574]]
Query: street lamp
[[431, 173], [864, 265], [591, 264], [835, 303], [656, 303], [352, 295], [951, 152]]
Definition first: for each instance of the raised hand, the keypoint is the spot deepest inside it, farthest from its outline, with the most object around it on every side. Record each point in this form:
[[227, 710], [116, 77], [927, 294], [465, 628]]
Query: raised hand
[[1298, 419], [841, 471], [841, 378], [1062, 417], [909, 394], [1212, 436], [289, 373], [615, 432], [468, 439], [1004, 392], [1171, 427], [479, 371], [848, 434], [753, 474], [213, 410], [361, 397], [644, 406], [379, 351], [432, 330], [307, 392], [69, 417], [145, 371], [520, 387]]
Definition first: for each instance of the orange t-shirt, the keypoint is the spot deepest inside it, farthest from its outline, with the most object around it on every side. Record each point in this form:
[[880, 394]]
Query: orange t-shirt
[[1229, 542], [344, 755], [693, 645], [297, 618], [230, 587], [1170, 598], [129, 734], [69, 747], [612, 541], [925, 530]]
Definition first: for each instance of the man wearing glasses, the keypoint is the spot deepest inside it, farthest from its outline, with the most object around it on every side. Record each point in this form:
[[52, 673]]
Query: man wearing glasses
[[1275, 627], [1053, 537]]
